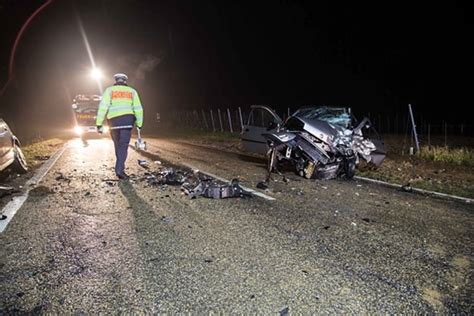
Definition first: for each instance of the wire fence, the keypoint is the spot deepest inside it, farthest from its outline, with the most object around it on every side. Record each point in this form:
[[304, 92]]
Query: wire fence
[[232, 120]]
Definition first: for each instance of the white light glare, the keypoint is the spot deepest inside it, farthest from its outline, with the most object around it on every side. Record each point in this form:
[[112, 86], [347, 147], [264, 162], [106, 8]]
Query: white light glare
[[96, 73], [78, 130]]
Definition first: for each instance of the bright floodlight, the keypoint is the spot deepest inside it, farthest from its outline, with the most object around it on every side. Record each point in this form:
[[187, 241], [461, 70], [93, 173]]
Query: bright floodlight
[[96, 73]]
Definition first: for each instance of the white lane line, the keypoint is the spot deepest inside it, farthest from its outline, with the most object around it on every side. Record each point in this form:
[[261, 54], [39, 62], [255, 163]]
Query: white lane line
[[416, 190], [253, 192], [16, 203]]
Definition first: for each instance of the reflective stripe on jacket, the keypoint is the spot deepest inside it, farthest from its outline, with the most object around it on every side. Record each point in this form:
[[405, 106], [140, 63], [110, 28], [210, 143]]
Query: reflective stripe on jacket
[[120, 100]]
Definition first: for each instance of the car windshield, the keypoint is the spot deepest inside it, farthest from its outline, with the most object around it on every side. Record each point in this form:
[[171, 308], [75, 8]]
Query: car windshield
[[338, 116]]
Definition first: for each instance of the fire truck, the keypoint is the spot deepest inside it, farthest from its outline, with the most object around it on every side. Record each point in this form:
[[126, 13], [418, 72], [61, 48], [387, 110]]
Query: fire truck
[[85, 113]]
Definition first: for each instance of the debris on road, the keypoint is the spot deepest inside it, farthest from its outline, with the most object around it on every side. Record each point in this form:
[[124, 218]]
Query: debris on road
[[62, 177], [42, 158], [194, 184], [143, 163], [41, 191], [166, 219], [407, 188], [262, 185], [6, 190], [208, 188], [285, 311], [169, 176]]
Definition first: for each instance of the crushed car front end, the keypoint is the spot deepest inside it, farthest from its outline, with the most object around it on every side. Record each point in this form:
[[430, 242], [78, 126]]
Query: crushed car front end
[[324, 144]]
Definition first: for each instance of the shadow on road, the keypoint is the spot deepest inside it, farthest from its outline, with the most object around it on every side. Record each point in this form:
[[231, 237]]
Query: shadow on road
[[138, 205]]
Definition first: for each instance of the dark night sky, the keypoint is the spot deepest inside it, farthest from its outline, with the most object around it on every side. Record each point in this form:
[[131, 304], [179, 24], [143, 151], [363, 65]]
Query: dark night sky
[[375, 58]]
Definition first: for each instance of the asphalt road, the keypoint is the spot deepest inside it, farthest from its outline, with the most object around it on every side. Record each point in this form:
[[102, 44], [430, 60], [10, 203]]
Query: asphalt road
[[85, 243]]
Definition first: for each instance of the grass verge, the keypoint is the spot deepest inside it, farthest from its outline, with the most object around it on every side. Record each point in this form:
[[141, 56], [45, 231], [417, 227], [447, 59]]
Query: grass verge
[[36, 153]]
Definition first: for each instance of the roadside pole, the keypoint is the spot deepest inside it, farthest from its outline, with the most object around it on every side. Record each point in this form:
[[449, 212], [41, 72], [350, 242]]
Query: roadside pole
[[212, 121], [241, 120], [230, 121], [414, 128], [204, 117], [220, 119]]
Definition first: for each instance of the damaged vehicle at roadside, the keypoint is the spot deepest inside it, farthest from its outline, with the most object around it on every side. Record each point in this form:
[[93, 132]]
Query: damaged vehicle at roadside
[[11, 155], [319, 142]]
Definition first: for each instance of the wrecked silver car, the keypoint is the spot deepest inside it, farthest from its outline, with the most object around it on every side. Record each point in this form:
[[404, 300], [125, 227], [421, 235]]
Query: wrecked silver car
[[317, 141]]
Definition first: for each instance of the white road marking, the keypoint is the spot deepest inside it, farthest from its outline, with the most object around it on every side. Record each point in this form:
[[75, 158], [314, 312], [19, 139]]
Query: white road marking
[[416, 190], [16, 203]]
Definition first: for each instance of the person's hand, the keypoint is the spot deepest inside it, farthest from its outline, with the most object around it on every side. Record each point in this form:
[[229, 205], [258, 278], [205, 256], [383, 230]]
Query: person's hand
[[139, 128], [100, 129]]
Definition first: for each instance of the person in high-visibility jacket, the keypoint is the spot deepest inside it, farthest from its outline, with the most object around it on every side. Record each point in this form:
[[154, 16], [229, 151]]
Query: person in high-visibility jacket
[[123, 108]]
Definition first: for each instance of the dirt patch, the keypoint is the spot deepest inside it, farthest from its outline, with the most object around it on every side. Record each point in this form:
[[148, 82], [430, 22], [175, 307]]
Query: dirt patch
[[461, 262], [41, 190], [434, 298], [460, 273], [437, 250]]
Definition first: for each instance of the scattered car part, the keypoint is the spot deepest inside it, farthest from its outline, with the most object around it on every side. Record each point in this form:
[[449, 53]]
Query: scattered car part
[[208, 188], [318, 141], [194, 184], [6, 190], [262, 185], [143, 163]]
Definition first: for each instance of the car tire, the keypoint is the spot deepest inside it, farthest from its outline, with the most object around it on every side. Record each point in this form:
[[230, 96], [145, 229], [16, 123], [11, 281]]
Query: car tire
[[19, 164], [349, 168]]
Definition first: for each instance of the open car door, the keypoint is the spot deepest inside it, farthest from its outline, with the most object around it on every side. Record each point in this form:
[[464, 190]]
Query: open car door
[[261, 120]]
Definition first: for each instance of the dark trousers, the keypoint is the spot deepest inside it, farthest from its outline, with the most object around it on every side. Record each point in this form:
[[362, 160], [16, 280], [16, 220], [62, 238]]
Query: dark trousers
[[121, 138]]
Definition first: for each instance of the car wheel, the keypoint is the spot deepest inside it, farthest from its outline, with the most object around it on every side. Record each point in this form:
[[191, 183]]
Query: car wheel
[[349, 168], [19, 164]]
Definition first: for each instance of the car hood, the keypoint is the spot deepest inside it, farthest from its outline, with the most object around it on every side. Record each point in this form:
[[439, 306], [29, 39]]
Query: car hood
[[321, 129]]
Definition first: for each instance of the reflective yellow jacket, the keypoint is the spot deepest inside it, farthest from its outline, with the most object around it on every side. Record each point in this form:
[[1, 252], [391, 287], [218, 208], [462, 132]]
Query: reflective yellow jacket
[[120, 100]]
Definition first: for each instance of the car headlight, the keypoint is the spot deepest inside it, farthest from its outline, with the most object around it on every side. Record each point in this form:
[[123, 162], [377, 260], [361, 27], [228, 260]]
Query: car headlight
[[78, 130]]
